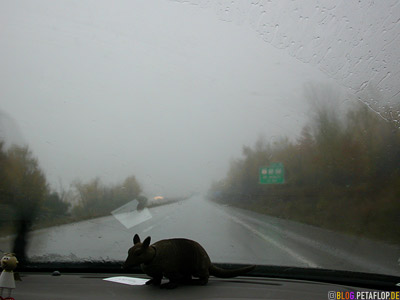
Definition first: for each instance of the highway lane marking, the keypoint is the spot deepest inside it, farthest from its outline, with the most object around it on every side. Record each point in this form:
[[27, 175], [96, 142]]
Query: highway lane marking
[[149, 228], [156, 225], [343, 255], [266, 238], [335, 251], [276, 244]]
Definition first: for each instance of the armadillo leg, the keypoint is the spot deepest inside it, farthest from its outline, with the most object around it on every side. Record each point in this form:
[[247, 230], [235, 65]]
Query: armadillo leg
[[154, 281]]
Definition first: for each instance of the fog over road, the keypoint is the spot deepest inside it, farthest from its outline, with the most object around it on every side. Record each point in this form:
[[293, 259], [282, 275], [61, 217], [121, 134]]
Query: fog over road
[[229, 235]]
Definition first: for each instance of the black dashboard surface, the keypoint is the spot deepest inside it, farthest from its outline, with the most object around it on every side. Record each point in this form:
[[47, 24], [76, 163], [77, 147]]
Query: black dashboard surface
[[92, 286]]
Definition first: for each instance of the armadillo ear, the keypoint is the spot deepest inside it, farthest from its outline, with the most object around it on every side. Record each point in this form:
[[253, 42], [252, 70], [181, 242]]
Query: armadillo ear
[[146, 242], [136, 239]]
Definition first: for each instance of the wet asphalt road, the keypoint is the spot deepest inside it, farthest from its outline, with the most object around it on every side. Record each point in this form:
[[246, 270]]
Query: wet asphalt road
[[228, 234]]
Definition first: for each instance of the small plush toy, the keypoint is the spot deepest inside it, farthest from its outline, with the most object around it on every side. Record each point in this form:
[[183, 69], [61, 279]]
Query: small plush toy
[[178, 260], [7, 282]]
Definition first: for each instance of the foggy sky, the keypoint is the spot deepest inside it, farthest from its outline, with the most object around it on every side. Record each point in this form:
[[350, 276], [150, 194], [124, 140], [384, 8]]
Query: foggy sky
[[168, 91]]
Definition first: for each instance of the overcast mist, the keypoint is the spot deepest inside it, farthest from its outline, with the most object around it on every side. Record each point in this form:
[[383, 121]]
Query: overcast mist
[[170, 92]]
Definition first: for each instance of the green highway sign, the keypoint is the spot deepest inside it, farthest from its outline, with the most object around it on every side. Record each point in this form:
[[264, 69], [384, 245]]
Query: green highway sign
[[273, 174]]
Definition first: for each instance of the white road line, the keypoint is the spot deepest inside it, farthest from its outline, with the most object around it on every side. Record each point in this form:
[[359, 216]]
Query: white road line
[[343, 255], [266, 238], [149, 228], [155, 225]]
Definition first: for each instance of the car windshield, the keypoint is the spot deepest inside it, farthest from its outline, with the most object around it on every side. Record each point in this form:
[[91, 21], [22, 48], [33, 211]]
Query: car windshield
[[267, 131]]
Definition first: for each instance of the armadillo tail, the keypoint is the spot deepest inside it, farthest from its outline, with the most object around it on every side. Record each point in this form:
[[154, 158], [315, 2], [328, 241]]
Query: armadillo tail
[[228, 273]]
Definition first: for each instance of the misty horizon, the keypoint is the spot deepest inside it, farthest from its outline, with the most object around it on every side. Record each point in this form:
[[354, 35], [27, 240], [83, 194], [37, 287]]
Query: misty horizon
[[99, 91]]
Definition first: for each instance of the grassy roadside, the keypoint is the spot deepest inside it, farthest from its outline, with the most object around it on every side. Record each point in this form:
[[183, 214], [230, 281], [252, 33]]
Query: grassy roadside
[[342, 172], [7, 228], [355, 216]]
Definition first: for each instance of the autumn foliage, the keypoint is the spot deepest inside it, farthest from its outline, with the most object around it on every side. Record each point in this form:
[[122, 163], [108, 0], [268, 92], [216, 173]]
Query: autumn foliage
[[342, 173], [96, 199], [26, 197]]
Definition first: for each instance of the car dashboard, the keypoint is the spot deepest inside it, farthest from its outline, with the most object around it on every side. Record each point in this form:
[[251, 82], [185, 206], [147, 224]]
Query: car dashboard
[[43, 285]]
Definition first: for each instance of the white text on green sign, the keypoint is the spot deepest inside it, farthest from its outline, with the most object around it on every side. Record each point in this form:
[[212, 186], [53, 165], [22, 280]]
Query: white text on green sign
[[273, 174]]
